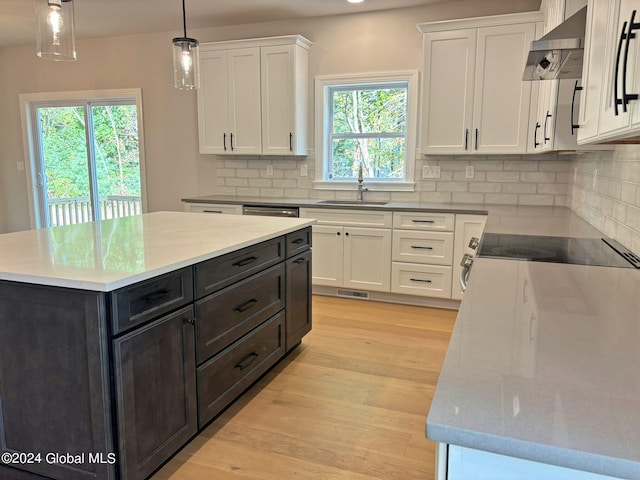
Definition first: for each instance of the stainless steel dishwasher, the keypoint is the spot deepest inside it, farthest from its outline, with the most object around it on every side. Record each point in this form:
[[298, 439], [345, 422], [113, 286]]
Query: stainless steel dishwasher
[[270, 211]]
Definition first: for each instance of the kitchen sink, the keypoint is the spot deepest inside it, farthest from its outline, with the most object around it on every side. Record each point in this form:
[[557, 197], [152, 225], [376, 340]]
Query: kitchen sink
[[351, 202]]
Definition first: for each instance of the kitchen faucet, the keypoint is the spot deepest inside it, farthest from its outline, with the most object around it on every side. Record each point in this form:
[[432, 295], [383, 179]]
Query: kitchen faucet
[[361, 187]]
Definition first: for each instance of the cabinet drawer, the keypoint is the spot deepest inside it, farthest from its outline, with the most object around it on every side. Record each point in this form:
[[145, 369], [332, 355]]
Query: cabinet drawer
[[219, 208], [424, 221], [217, 273], [143, 301], [353, 218], [229, 373], [423, 280], [298, 242], [225, 316], [423, 247]]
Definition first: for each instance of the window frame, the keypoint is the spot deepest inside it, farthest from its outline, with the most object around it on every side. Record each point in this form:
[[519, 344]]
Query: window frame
[[31, 101], [323, 87]]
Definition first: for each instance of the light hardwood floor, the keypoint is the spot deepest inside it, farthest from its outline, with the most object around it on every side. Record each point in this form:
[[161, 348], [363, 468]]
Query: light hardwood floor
[[349, 403]]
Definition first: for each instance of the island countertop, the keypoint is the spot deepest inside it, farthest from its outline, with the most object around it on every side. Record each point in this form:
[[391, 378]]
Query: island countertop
[[106, 255], [543, 365]]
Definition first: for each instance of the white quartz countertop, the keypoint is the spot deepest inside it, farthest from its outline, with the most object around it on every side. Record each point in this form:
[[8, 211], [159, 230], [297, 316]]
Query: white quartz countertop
[[107, 255], [544, 365]]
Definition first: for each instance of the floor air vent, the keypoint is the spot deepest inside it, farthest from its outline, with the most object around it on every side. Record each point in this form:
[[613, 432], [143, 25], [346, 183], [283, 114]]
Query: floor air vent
[[352, 294]]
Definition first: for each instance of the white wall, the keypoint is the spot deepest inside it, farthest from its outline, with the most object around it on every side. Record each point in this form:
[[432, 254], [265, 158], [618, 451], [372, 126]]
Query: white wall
[[347, 44]]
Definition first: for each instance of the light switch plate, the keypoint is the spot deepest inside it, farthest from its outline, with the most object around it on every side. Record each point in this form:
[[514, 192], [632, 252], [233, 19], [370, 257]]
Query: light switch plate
[[303, 171], [469, 171], [269, 170], [431, 171]]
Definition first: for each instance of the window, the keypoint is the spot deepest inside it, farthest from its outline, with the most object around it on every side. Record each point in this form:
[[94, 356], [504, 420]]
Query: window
[[368, 122], [85, 156]]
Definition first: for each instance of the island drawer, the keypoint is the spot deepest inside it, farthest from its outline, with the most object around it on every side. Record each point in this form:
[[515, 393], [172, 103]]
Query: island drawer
[[214, 274], [298, 242], [135, 304], [227, 315], [233, 370], [443, 222]]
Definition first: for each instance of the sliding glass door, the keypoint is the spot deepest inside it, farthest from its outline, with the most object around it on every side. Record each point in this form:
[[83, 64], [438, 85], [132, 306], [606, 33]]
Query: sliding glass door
[[86, 160]]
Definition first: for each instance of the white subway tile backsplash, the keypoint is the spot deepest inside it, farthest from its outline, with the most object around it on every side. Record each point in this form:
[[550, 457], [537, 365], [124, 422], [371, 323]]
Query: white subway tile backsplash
[[606, 192], [506, 179]]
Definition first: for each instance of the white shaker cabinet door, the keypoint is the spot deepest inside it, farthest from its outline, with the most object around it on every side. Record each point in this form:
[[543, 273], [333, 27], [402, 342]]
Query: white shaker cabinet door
[[367, 258], [449, 65], [284, 100], [328, 251], [244, 97], [213, 102], [501, 98]]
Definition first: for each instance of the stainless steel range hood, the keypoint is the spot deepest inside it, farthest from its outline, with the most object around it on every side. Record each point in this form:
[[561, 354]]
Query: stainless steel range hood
[[559, 53]]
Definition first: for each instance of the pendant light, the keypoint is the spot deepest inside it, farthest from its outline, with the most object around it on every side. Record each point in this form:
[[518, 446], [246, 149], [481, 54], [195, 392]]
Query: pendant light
[[186, 64], [55, 35]]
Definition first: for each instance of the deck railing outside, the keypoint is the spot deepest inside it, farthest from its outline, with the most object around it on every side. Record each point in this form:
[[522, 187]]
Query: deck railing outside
[[69, 211]]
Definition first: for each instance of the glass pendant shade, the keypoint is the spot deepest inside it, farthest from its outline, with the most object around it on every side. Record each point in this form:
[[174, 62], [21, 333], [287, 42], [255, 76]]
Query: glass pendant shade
[[55, 31], [186, 63]]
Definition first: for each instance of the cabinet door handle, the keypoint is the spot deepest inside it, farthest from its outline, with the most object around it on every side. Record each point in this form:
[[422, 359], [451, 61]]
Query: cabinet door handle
[[244, 261], [574, 126], [232, 142], [535, 136], [190, 321], [420, 280], [224, 141], [627, 97], [247, 361], [616, 100], [246, 305], [476, 139], [291, 142], [338, 233], [418, 247], [466, 139], [300, 260], [546, 122]]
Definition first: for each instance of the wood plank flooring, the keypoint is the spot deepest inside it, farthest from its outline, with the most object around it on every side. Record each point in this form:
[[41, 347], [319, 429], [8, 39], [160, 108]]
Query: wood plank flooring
[[349, 403]]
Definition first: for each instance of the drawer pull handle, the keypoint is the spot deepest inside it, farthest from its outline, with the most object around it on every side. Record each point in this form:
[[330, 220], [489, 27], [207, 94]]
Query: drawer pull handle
[[298, 240], [423, 221], [212, 211], [421, 248], [245, 261], [246, 305], [420, 280], [247, 361], [300, 260]]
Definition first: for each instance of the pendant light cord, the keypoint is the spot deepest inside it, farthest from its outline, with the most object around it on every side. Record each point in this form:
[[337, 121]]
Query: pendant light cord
[[184, 19]]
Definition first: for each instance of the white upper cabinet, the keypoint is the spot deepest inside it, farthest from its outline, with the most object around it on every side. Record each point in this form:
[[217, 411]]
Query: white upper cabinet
[[284, 100], [254, 96], [474, 99], [610, 105]]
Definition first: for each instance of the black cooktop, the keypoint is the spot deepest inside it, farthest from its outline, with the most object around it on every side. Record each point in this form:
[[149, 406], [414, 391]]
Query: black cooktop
[[580, 251]]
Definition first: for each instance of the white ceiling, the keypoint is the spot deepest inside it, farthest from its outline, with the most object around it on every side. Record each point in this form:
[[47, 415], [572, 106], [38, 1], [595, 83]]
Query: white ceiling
[[97, 18]]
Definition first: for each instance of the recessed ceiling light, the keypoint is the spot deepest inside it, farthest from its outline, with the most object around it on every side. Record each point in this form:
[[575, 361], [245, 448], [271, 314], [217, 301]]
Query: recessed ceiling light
[[355, 1]]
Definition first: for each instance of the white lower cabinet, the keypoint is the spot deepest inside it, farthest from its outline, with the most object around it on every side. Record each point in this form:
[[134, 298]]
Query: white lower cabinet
[[422, 253], [470, 464], [347, 254]]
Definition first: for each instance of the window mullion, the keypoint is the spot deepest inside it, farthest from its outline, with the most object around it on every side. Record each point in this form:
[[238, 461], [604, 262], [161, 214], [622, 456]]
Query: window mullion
[[91, 163]]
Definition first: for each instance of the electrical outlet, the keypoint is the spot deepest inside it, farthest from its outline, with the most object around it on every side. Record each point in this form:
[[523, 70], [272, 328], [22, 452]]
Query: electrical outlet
[[20, 166], [303, 171], [469, 172], [432, 171], [269, 170]]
